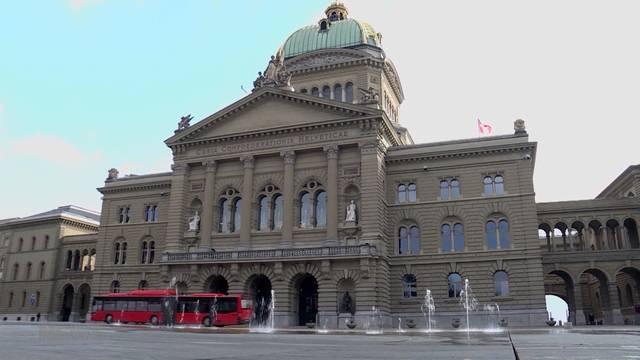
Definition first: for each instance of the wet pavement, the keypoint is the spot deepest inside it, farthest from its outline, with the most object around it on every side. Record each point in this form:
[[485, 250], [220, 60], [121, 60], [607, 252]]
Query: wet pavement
[[97, 341]]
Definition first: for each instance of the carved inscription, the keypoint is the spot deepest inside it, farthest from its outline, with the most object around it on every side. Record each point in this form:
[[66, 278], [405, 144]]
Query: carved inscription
[[272, 143]]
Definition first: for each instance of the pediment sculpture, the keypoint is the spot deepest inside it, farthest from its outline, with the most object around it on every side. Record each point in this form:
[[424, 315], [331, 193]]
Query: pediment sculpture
[[275, 75]]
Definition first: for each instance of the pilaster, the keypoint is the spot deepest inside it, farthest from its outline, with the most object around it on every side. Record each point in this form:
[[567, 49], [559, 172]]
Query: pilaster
[[332, 193], [208, 203], [289, 158], [247, 200], [372, 182], [175, 218]]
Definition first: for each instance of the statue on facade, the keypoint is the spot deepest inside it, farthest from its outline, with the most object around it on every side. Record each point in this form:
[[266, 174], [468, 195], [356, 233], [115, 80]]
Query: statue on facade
[[519, 127], [369, 96], [112, 174], [346, 304], [184, 123], [194, 222], [275, 75], [351, 212]]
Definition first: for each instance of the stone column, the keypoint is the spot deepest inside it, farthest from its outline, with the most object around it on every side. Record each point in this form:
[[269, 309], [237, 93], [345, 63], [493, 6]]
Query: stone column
[[175, 217], [605, 237], [332, 193], [577, 313], [207, 205], [288, 199], [625, 237], [553, 240], [247, 201]]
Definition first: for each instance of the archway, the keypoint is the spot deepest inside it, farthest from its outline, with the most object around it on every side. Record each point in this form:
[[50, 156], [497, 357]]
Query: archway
[[259, 292], [84, 295], [67, 302], [559, 283], [217, 284], [594, 289], [558, 308], [628, 283], [306, 298], [182, 287]]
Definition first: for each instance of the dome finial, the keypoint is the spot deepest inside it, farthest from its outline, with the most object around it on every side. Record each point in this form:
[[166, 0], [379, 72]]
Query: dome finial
[[336, 11]]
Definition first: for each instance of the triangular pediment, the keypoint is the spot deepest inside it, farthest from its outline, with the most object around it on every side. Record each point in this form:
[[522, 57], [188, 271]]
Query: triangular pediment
[[270, 109]]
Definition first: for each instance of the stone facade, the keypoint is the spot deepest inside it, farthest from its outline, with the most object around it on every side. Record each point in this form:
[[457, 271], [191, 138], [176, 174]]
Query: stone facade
[[259, 195]]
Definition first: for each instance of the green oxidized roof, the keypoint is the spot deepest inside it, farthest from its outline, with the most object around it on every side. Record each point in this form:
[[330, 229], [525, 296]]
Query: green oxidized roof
[[340, 34]]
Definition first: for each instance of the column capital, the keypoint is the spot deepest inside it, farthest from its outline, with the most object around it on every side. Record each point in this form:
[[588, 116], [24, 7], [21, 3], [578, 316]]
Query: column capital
[[289, 156], [247, 161], [332, 151], [210, 165]]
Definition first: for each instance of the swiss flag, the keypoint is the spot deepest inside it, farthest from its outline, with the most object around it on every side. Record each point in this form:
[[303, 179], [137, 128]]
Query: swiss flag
[[485, 129]]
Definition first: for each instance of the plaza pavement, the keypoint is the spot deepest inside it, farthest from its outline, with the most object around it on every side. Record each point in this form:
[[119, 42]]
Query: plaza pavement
[[97, 341]]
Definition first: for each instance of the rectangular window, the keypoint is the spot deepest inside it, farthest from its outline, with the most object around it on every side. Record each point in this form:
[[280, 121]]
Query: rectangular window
[[151, 213], [123, 214]]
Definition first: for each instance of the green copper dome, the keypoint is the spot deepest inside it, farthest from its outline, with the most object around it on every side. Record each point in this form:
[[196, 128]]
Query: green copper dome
[[330, 35]]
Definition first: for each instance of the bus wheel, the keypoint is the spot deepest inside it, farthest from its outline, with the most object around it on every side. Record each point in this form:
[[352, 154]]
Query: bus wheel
[[108, 319], [154, 320], [206, 321]]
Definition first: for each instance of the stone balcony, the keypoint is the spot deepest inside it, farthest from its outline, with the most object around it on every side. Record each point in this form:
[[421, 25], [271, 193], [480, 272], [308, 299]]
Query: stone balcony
[[289, 254]]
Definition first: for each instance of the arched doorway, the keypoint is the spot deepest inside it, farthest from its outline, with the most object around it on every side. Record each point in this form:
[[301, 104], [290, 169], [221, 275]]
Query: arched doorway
[[182, 287], [84, 296], [559, 283], [217, 284], [67, 302], [628, 282], [558, 308], [260, 293], [306, 298]]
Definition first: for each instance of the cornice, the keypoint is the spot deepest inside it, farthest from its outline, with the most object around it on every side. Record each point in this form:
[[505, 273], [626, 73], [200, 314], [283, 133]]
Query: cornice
[[462, 153], [134, 187], [78, 224]]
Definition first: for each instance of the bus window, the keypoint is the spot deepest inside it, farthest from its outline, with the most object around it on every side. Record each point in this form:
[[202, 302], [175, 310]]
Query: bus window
[[227, 305], [121, 305], [141, 306], [246, 304], [155, 305], [97, 305], [109, 305], [131, 305]]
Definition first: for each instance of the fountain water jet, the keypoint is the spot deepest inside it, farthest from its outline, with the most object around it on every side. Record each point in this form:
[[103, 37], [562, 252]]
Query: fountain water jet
[[468, 301], [428, 308], [258, 321]]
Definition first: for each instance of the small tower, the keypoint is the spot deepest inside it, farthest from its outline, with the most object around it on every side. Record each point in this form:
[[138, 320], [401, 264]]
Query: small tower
[[336, 11]]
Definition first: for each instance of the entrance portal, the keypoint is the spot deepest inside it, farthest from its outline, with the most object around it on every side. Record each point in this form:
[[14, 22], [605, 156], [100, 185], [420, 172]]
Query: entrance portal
[[307, 290], [67, 303], [260, 292], [218, 284]]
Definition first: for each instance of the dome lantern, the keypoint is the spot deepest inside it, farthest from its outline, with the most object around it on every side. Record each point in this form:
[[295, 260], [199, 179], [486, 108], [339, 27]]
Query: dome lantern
[[336, 11]]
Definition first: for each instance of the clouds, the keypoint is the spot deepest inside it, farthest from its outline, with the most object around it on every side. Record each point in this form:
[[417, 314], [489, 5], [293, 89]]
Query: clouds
[[51, 149]]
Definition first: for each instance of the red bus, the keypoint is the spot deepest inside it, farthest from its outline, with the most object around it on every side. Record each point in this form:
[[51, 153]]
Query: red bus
[[164, 307]]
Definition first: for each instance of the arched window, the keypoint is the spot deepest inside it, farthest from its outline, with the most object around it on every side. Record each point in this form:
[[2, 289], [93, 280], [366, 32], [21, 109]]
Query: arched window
[[85, 260], [20, 244], [503, 234], [27, 274], [306, 208], [33, 243], [237, 217], [412, 194], [10, 299], [225, 216], [277, 203], [315, 91], [403, 241], [152, 251], [326, 92], [414, 240], [455, 189], [348, 92], [488, 185], [143, 252], [455, 285], [337, 92], [143, 284], [46, 242], [16, 269], [402, 193], [92, 260], [321, 209], [123, 256], [115, 286], [42, 268], [444, 190], [492, 235], [409, 288], [263, 213], [2, 261], [501, 282], [452, 241], [408, 240], [116, 253], [69, 260], [24, 298], [499, 183]]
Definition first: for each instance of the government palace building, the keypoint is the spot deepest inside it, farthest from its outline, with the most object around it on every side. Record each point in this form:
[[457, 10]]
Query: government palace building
[[309, 186]]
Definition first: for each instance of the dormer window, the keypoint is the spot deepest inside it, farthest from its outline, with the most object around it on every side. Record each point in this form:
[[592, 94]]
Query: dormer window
[[324, 25], [333, 16]]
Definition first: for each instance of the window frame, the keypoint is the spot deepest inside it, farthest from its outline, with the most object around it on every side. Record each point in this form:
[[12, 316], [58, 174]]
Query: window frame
[[409, 286]]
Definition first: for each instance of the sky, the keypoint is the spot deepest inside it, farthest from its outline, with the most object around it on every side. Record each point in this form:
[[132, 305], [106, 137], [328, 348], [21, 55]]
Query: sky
[[86, 85]]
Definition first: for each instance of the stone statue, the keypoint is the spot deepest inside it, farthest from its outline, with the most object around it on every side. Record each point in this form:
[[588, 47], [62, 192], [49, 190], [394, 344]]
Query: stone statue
[[519, 127], [194, 222], [351, 212], [275, 75], [184, 123], [112, 174], [346, 304], [369, 96]]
